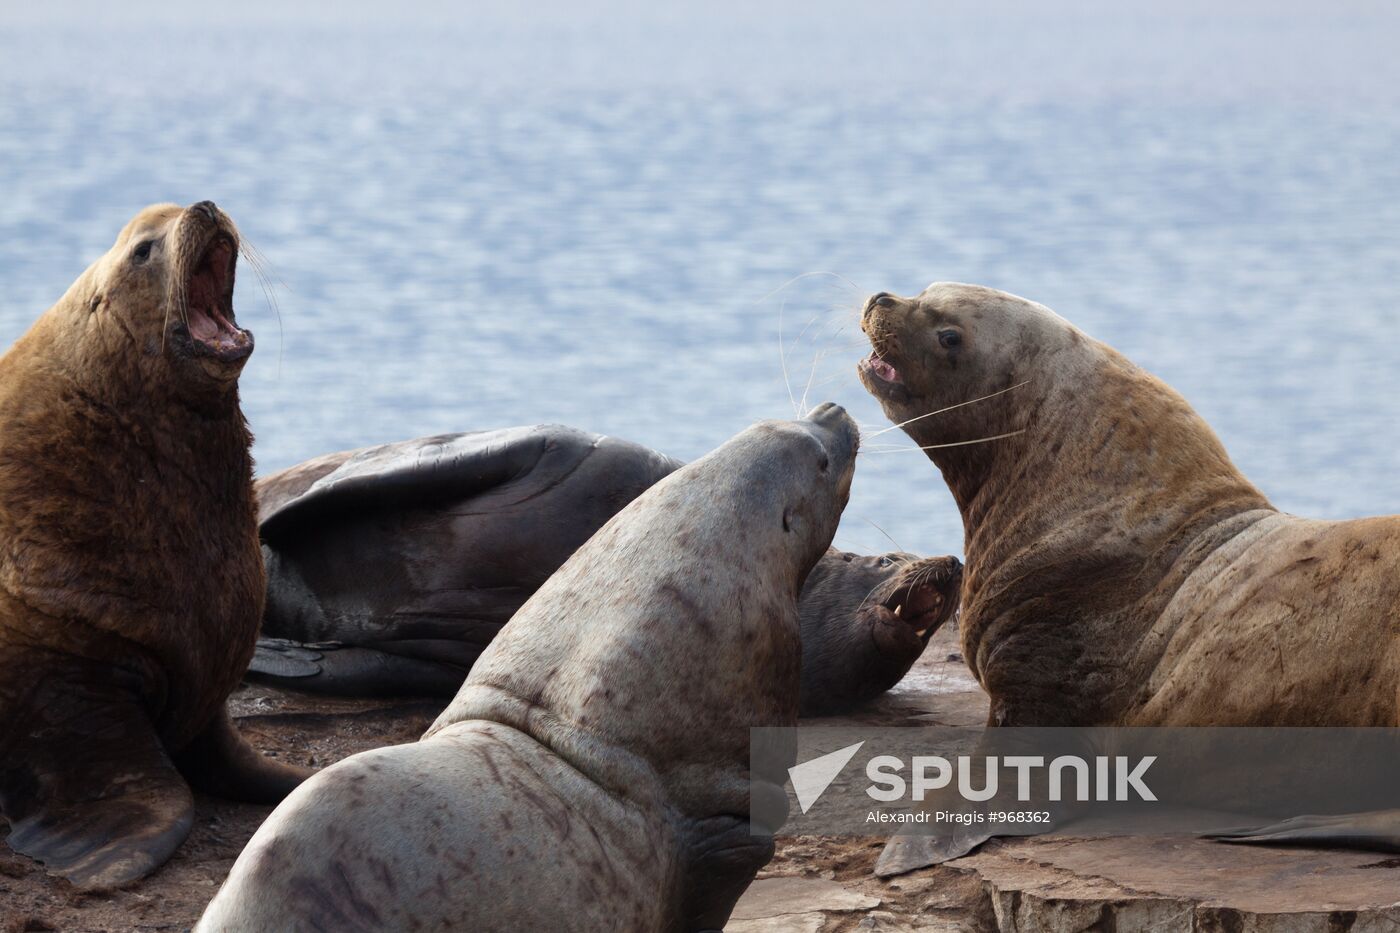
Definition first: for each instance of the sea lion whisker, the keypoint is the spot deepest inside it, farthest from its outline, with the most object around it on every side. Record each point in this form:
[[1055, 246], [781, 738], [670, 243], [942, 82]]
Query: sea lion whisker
[[885, 533], [950, 408], [837, 377], [807, 275], [861, 605], [262, 269], [782, 357], [811, 374], [977, 440], [782, 344]]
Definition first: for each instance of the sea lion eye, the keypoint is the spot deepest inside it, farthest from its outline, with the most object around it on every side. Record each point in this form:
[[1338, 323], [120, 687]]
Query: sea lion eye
[[886, 561], [949, 339], [142, 251]]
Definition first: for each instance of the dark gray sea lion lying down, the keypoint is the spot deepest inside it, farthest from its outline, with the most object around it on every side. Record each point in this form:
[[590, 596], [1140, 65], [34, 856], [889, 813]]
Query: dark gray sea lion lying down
[[391, 568]]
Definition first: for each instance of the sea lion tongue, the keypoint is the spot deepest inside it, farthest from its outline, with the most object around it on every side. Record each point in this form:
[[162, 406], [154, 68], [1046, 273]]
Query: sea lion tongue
[[883, 369]]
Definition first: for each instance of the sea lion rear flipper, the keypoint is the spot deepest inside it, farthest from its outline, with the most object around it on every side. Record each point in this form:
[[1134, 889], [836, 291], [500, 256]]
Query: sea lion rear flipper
[[90, 792], [410, 474], [349, 670], [1376, 830], [221, 762]]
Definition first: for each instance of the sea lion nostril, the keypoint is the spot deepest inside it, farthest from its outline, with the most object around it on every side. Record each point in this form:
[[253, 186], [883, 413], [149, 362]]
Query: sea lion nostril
[[826, 413], [207, 208]]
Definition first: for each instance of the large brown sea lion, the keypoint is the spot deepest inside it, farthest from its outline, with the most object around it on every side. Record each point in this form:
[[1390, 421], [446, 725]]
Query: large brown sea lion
[[390, 568], [593, 772], [130, 580], [1120, 569]]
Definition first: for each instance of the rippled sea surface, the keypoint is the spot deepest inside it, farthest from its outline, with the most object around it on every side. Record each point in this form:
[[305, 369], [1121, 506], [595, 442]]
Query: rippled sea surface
[[478, 226]]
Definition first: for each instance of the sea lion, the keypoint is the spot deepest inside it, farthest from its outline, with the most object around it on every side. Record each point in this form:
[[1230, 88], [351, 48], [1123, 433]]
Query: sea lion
[[866, 620], [130, 580], [391, 568], [593, 772], [1120, 569]]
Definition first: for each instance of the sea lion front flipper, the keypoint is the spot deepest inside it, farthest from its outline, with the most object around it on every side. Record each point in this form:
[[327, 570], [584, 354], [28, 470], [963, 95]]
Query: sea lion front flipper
[[903, 854], [220, 761], [88, 789], [1375, 830], [725, 854]]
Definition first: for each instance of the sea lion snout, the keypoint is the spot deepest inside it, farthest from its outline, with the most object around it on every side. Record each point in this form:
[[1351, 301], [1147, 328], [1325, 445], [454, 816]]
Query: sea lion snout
[[866, 620], [877, 300], [882, 371], [838, 434], [921, 598]]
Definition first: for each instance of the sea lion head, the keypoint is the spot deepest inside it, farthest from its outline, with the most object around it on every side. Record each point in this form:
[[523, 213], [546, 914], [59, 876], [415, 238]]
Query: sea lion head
[[164, 293], [866, 619], [936, 353], [766, 463]]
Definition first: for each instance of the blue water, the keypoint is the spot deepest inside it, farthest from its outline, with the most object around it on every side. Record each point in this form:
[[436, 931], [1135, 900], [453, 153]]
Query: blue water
[[591, 218]]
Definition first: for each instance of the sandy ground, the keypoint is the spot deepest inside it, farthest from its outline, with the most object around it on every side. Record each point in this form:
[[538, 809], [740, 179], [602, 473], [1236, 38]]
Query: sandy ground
[[319, 731]]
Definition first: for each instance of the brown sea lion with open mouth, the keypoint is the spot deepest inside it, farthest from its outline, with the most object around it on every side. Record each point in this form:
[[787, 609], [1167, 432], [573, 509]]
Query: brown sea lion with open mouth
[[130, 579], [390, 568], [1120, 569]]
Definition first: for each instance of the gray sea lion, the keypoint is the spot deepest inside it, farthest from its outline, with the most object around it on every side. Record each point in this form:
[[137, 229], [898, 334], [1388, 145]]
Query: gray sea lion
[[1120, 569], [391, 568], [593, 772], [130, 581]]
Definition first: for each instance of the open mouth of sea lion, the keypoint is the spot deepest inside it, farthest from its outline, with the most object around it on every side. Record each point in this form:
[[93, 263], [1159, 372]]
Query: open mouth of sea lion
[[924, 598], [209, 303], [881, 368], [883, 378]]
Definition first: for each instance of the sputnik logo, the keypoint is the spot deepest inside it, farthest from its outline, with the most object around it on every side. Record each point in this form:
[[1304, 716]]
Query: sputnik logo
[[811, 778]]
